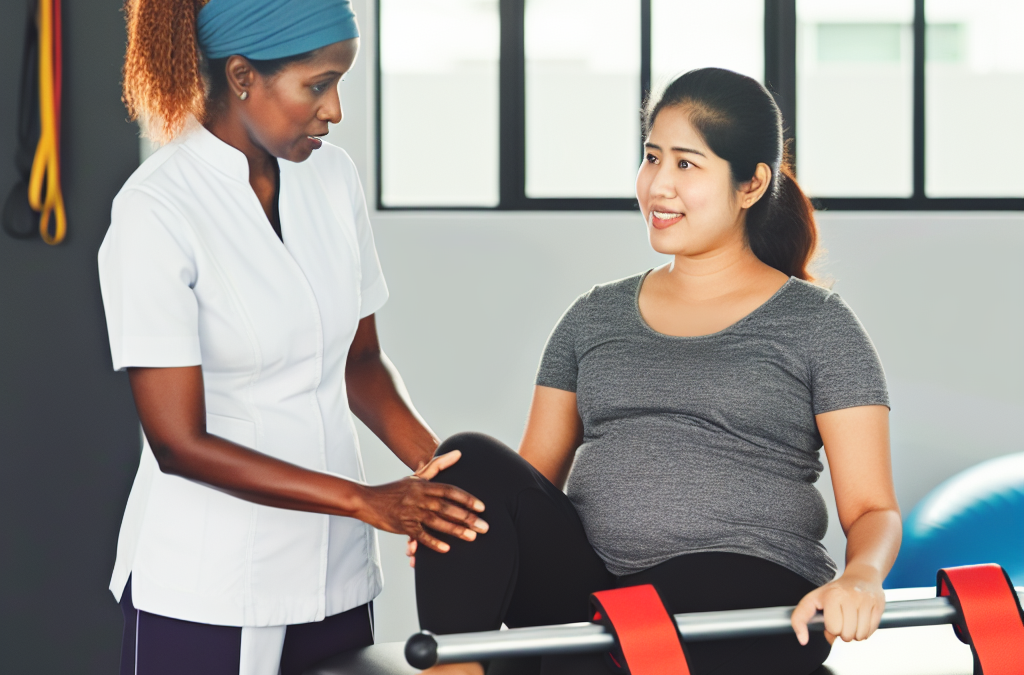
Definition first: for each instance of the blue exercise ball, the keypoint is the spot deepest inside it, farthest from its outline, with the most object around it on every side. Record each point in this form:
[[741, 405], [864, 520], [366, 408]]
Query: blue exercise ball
[[977, 516]]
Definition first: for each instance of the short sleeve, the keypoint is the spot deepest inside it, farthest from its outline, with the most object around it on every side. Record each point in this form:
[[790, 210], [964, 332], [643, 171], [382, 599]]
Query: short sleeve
[[559, 366], [147, 271], [845, 369], [374, 291]]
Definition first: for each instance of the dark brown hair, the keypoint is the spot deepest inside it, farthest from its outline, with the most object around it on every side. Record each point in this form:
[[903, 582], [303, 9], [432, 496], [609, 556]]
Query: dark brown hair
[[741, 123]]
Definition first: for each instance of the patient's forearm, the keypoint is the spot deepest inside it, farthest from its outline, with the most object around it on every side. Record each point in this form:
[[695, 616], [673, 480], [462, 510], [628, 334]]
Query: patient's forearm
[[872, 542]]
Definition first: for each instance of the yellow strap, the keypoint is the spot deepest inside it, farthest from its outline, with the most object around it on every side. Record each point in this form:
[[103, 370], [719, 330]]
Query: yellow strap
[[46, 162]]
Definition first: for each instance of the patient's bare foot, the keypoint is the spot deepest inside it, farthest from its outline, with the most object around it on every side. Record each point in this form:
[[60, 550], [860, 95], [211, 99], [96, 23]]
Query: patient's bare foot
[[456, 669]]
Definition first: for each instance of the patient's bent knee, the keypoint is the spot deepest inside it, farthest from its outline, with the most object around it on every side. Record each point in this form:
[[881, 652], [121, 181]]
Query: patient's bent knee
[[485, 461], [473, 446]]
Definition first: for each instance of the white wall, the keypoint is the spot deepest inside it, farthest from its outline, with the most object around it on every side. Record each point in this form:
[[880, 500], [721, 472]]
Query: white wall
[[474, 295]]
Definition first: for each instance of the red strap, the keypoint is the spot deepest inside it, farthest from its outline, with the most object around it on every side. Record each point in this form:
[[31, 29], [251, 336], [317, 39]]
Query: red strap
[[989, 616], [646, 633]]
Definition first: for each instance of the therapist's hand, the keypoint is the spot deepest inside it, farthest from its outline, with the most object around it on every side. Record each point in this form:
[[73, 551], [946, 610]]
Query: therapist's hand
[[411, 505]]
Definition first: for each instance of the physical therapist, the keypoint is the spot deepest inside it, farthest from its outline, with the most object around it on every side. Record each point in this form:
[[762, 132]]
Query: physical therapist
[[240, 282]]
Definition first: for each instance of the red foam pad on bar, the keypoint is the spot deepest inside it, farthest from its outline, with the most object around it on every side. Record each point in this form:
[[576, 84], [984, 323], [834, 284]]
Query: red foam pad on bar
[[646, 633], [989, 616]]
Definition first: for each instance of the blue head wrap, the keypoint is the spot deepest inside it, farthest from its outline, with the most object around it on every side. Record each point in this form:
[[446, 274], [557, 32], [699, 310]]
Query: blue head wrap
[[272, 29]]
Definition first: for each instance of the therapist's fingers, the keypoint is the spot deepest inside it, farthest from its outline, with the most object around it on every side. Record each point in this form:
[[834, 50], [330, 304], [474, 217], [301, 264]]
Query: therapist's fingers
[[433, 542], [435, 466], [411, 505], [436, 522], [454, 494], [445, 517], [458, 515], [410, 551]]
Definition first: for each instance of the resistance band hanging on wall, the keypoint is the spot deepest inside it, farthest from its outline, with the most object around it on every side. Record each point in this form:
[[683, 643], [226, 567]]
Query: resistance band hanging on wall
[[39, 122], [46, 166]]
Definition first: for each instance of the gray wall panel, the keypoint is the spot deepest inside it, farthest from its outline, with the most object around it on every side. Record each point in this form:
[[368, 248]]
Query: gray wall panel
[[68, 431]]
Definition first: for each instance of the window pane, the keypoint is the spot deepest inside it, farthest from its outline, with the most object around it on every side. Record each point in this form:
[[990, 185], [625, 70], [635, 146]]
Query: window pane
[[582, 97], [688, 34], [439, 102], [855, 97], [974, 98]]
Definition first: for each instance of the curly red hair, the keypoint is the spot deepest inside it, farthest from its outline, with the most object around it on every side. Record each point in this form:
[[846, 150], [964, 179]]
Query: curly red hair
[[163, 82]]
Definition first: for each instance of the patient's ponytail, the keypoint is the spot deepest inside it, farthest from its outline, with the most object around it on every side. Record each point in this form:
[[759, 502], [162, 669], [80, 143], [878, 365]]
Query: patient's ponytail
[[163, 81], [782, 232], [741, 123]]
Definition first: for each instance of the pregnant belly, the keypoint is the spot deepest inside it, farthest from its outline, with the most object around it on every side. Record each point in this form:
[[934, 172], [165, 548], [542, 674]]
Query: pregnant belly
[[665, 500]]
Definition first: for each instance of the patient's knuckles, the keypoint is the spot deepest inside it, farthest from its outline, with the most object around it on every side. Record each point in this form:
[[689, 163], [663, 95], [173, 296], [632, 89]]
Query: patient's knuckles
[[834, 620], [804, 611], [838, 593]]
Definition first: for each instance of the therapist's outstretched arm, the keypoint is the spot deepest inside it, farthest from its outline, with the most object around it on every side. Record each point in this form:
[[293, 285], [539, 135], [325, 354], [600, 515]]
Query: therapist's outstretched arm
[[172, 408], [378, 397]]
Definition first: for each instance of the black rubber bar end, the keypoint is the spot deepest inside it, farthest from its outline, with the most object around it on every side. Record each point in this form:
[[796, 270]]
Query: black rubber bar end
[[421, 650]]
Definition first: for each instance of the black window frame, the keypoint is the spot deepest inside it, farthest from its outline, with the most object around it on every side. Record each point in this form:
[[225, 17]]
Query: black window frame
[[780, 79]]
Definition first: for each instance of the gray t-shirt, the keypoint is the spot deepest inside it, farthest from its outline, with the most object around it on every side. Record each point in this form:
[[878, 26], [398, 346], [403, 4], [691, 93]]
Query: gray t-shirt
[[696, 444]]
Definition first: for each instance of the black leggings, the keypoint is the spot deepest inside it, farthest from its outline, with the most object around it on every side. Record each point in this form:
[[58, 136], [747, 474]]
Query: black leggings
[[536, 567]]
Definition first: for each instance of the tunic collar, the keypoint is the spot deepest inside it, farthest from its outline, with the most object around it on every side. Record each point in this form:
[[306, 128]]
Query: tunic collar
[[216, 152]]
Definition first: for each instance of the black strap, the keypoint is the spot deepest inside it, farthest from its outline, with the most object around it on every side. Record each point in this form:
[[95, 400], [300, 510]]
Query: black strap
[[19, 220]]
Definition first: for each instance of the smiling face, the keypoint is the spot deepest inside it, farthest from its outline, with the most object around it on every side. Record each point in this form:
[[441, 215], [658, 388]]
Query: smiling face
[[286, 112], [686, 192]]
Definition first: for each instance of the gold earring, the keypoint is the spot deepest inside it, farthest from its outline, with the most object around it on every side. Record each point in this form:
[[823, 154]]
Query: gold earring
[[244, 95]]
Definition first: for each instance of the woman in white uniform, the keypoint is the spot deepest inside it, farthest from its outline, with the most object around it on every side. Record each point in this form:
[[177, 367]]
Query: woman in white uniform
[[240, 283]]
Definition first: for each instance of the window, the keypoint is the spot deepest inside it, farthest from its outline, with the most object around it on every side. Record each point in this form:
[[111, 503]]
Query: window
[[582, 87], [974, 98], [855, 103], [439, 102], [688, 34], [534, 104]]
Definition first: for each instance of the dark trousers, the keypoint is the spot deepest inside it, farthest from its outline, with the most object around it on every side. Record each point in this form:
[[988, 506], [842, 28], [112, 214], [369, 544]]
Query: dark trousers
[[536, 567], [159, 645]]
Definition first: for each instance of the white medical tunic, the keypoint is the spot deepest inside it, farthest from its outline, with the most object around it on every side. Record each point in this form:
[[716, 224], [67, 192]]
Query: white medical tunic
[[193, 274]]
